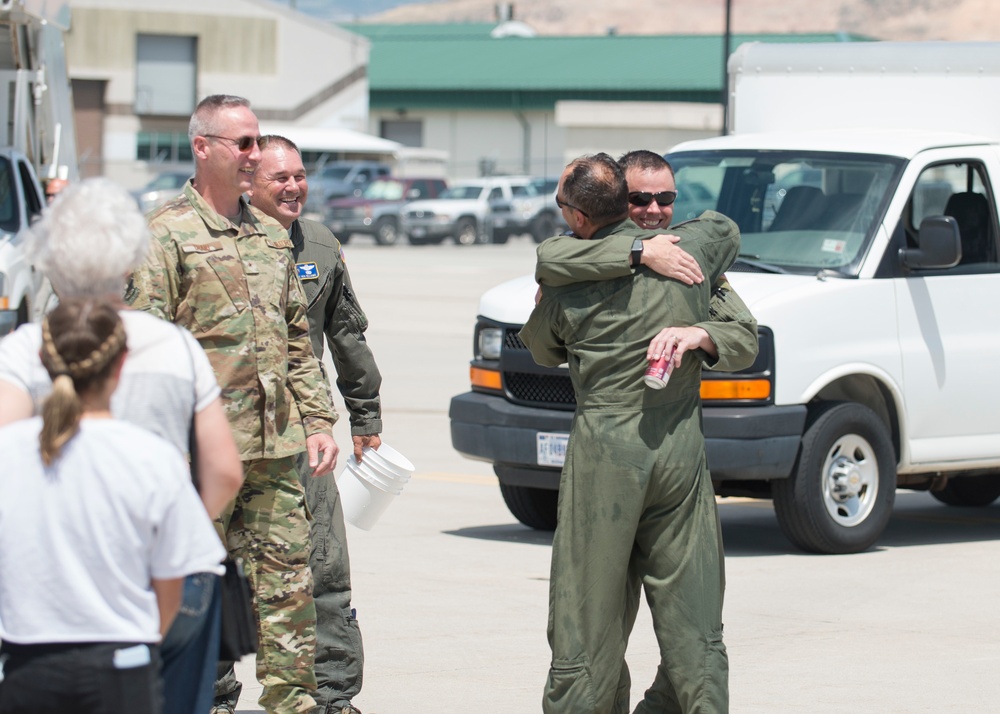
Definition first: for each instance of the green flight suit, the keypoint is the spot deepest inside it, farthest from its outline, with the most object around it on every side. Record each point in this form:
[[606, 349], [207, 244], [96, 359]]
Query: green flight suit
[[335, 316], [635, 493], [233, 285], [565, 260]]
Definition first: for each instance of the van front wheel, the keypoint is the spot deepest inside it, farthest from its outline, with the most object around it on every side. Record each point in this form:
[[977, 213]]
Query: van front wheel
[[841, 492], [534, 507]]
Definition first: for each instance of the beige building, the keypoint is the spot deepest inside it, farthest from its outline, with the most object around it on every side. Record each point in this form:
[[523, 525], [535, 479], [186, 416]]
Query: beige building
[[139, 67]]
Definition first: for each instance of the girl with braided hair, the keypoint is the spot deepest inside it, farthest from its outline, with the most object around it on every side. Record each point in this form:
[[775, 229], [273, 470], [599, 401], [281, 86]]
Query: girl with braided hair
[[99, 526]]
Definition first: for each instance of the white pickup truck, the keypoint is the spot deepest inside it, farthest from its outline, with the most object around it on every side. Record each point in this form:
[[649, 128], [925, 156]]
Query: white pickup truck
[[870, 260], [20, 202], [36, 136]]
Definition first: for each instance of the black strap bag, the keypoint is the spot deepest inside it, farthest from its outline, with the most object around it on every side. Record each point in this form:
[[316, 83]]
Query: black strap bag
[[239, 625]]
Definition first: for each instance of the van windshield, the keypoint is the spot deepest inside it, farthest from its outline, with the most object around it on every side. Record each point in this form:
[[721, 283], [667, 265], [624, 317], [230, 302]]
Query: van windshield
[[801, 212]]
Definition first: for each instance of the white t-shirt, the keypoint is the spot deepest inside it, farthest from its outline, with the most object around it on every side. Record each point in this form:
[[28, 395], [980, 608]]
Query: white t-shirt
[[165, 370], [81, 539]]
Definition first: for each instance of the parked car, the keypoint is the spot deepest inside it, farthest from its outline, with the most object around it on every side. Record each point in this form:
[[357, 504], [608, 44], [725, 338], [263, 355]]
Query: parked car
[[532, 209], [376, 211], [463, 212], [335, 179], [161, 189]]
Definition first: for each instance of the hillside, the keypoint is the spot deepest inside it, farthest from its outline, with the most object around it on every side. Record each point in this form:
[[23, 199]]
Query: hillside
[[884, 19]]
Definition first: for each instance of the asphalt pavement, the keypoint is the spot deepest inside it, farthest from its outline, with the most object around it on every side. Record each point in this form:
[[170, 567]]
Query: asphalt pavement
[[451, 591]]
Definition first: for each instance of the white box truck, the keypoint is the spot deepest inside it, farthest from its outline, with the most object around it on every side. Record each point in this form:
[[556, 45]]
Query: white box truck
[[864, 180]]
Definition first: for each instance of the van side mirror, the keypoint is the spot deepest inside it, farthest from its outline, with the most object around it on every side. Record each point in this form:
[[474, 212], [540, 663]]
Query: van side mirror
[[939, 244]]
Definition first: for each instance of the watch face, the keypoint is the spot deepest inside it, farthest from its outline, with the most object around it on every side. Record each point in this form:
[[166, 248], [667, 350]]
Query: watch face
[[635, 258]]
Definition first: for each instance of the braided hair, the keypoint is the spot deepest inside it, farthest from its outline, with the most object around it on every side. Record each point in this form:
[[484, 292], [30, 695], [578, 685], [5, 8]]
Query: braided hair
[[82, 339]]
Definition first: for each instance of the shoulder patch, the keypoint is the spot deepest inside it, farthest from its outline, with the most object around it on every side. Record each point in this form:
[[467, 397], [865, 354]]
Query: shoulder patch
[[307, 271]]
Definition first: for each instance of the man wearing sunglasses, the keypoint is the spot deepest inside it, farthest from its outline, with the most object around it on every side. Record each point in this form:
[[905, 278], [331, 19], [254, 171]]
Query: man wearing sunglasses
[[727, 341], [225, 272], [636, 504]]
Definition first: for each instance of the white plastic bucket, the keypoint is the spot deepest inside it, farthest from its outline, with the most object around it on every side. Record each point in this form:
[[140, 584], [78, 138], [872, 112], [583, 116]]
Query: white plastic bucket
[[363, 500], [388, 461], [388, 483], [367, 489]]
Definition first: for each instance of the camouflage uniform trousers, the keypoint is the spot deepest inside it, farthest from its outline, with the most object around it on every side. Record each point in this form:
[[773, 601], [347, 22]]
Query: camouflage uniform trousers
[[339, 652], [267, 525]]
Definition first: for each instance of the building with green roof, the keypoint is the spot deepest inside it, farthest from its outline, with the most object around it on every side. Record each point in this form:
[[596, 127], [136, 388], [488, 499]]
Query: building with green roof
[[528, 104]]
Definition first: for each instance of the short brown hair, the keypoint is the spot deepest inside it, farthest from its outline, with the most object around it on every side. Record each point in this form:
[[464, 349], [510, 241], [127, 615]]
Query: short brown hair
[[596, 186], [203, 117]]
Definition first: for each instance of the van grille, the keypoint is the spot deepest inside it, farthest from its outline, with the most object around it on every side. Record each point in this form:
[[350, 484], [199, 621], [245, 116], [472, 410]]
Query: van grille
[[555, 390]]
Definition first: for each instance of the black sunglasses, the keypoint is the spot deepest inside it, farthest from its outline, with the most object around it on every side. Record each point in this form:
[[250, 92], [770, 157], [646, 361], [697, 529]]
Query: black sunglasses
[[562, 204], [244, 143], [644, 198]]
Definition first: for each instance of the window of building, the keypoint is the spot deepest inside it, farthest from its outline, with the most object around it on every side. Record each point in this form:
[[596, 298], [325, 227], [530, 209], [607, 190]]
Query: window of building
[[163, 146], [408, 132], [165, 74]]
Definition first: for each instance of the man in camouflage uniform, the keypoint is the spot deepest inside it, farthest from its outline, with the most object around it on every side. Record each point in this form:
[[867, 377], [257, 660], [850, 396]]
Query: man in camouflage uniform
[[280, 191], [635, 496], [225, 271]]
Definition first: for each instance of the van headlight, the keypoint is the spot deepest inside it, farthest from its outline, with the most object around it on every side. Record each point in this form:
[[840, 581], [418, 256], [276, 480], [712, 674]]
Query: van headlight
[[489, 343]]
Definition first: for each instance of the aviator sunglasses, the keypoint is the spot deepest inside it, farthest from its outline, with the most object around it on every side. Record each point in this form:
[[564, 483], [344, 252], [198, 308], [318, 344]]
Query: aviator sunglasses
[[644, 198], [244, 143]]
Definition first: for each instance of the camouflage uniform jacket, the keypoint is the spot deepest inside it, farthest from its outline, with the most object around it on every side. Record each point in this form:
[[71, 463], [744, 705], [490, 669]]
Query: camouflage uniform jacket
[[566, 259], [334, 311], [234, 288]]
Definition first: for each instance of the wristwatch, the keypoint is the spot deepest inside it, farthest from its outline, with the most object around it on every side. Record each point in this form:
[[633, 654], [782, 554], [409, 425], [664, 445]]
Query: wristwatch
[[635, 255]]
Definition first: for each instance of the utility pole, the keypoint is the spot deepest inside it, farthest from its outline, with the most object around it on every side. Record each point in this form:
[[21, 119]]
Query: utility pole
[[726, 40]]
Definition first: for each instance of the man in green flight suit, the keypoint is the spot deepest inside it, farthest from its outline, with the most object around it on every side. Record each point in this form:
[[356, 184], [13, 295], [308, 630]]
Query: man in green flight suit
[[225, 272], [726, 342], [635, 494], [335, 316], [729, 338]]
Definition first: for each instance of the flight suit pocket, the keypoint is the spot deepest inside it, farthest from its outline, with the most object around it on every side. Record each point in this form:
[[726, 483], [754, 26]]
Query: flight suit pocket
[[356, 318], [570, 687]]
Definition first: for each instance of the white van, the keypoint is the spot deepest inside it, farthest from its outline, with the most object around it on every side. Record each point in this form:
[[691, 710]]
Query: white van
[[870, 260]]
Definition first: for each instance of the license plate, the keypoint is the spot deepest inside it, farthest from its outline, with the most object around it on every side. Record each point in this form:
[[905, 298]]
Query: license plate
[[337, 226], [499, 222], [418, 232], [551, 448]]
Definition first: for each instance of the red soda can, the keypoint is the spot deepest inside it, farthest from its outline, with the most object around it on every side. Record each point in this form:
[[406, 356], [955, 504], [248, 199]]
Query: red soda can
[[658, 372]]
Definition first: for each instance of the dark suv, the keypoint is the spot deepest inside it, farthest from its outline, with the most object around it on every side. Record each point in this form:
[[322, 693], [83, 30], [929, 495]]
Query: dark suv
[[376, 211]]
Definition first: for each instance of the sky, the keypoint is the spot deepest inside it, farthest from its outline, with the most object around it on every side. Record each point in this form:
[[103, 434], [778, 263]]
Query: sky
[[343, 10]]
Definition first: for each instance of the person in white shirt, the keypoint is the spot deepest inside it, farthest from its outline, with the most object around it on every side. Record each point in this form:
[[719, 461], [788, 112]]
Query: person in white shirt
[[87, 242], [99, 526]]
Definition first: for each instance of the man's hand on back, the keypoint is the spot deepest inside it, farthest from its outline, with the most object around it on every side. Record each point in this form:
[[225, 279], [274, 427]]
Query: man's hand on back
[[661, 255]]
